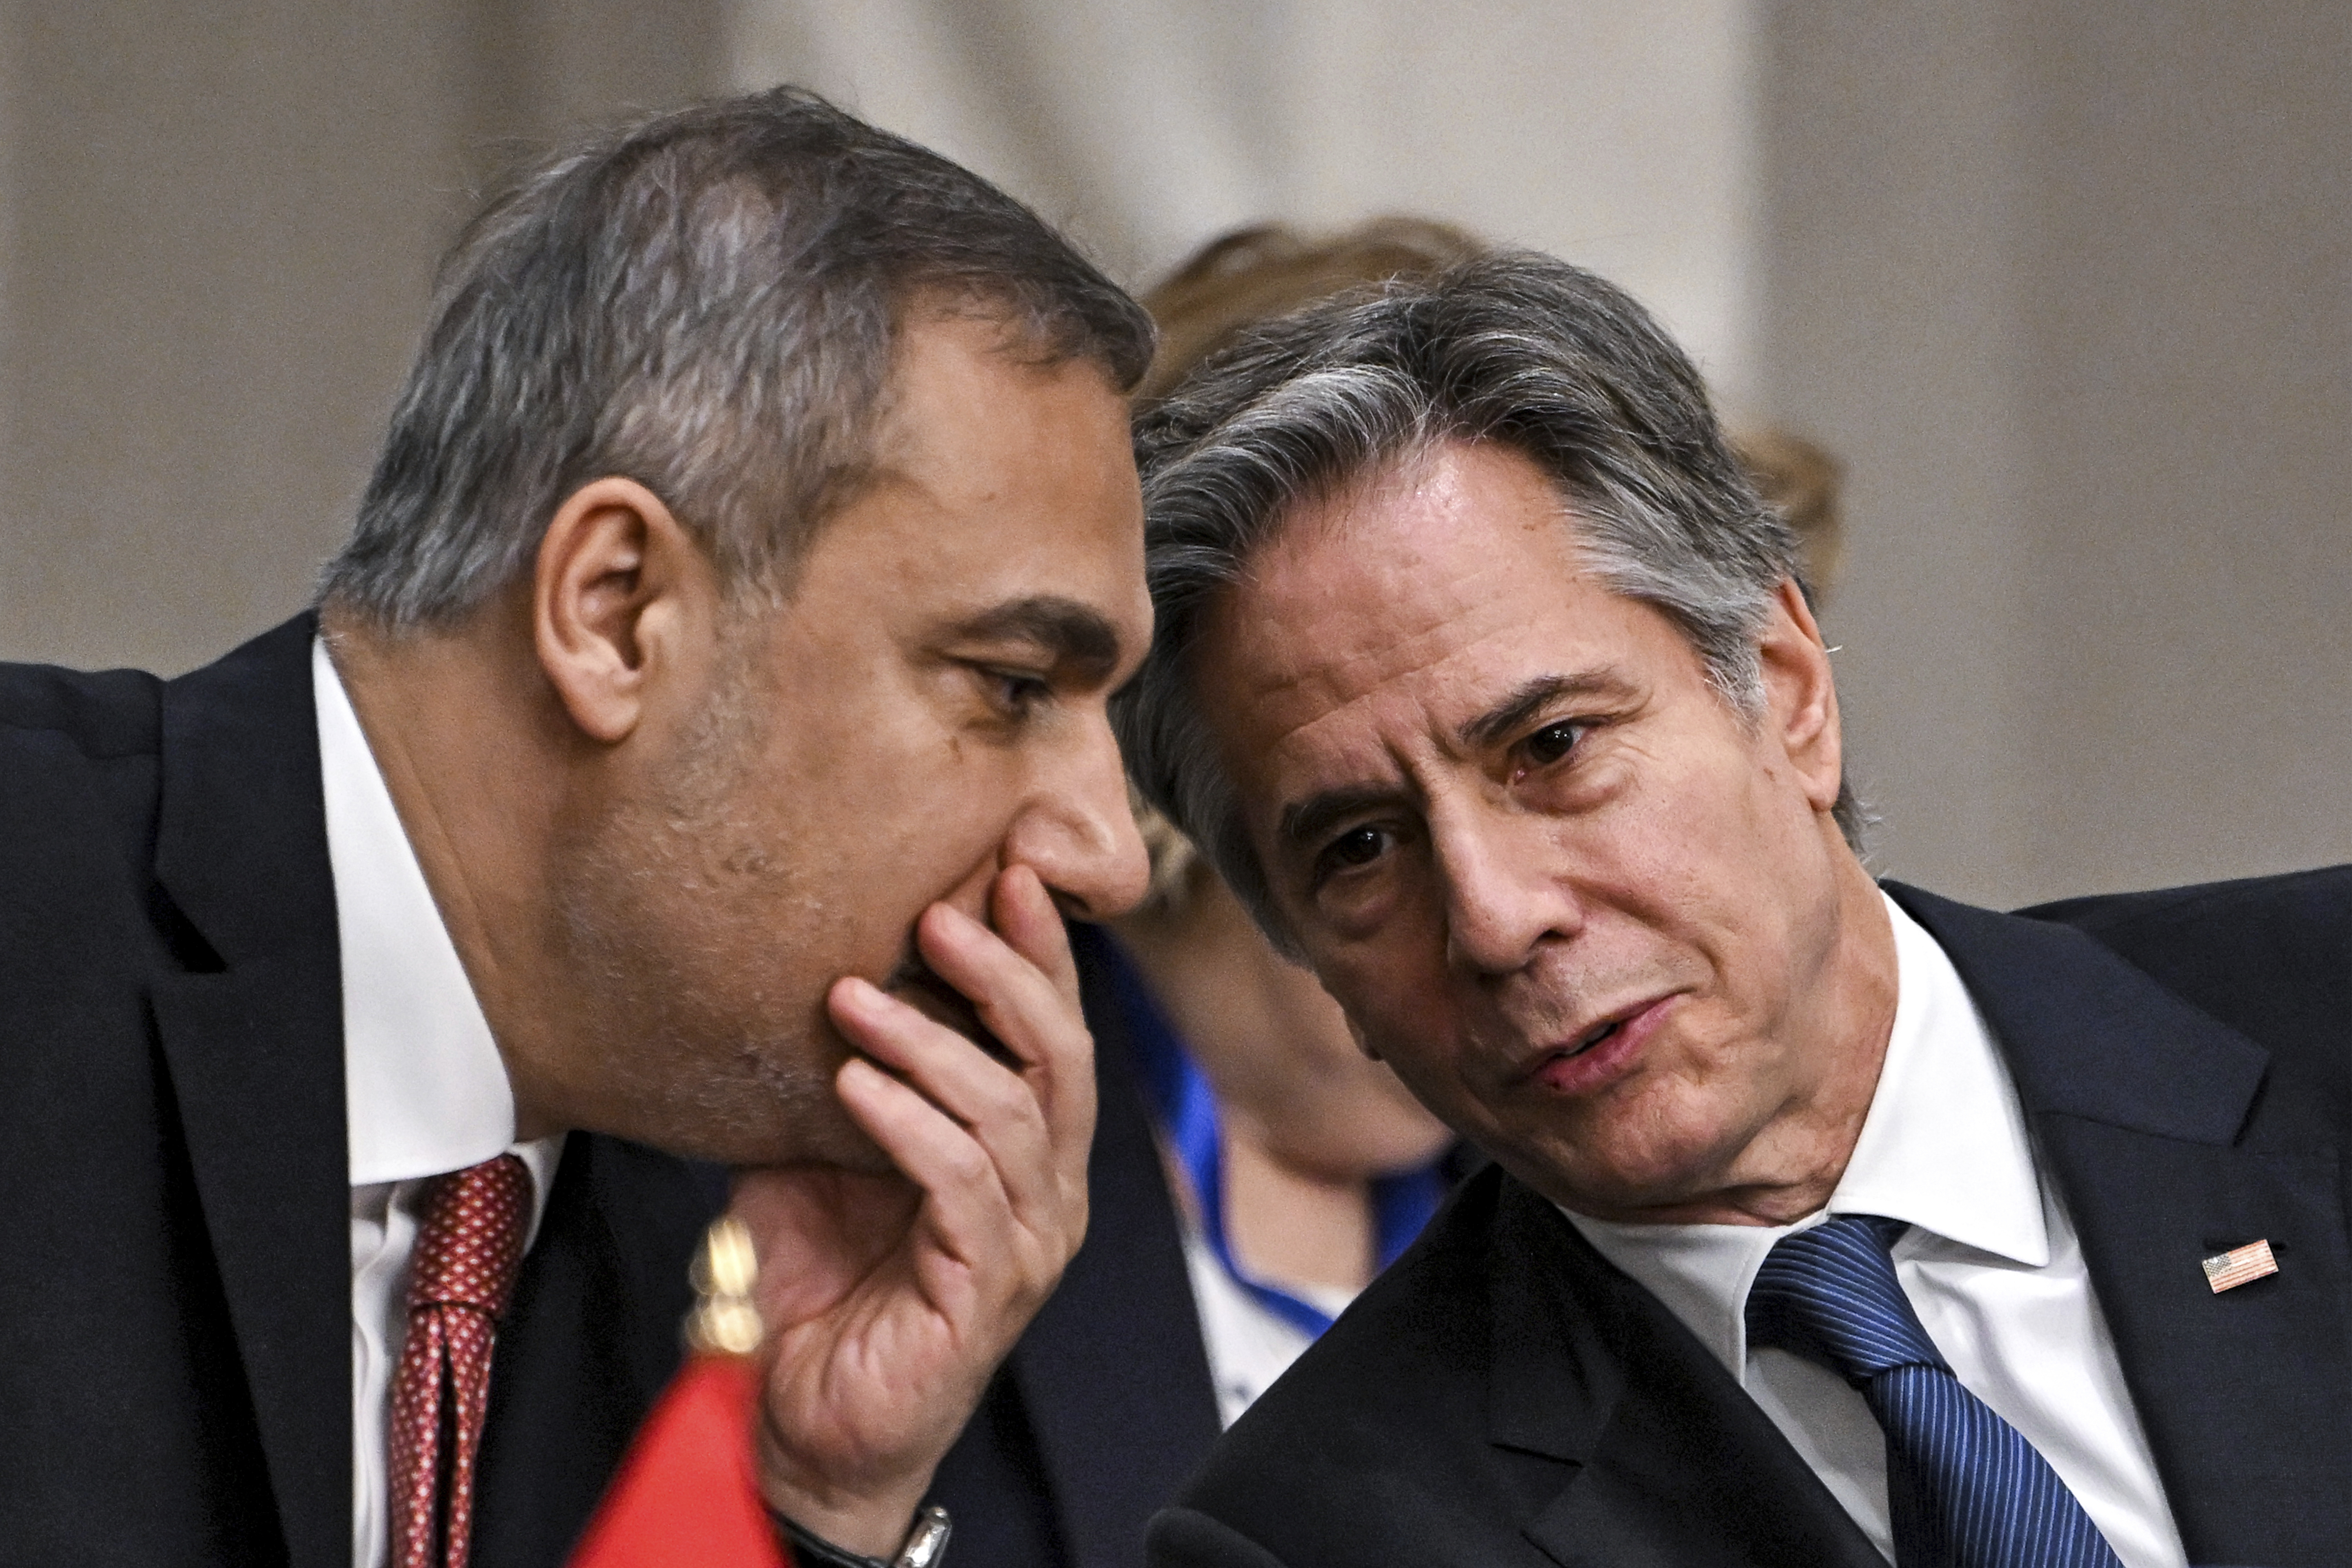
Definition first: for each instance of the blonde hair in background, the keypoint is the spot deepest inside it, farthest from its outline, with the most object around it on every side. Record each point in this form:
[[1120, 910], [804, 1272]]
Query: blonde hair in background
[[1270, 269], [1803, 483], [1175, 862]]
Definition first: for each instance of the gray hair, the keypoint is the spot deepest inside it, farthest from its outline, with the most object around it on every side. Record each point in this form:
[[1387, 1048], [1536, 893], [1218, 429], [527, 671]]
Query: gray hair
[[706, 303], [1513, 348]]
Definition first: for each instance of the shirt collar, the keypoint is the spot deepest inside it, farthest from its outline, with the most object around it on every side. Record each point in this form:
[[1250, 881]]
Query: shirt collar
[[1943, 1146], [425, 1089]]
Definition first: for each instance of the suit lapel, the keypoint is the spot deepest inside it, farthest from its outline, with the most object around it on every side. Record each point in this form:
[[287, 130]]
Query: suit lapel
[[2173, 1138], [1114, 1363], [255, 1054], [1673, 1463]]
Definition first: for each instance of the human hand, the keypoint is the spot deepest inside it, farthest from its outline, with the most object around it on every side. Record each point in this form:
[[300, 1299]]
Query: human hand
[[889, 1300]]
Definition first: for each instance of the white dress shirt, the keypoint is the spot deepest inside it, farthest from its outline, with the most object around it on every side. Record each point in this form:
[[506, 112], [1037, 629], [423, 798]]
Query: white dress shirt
[[1992, 1266], [425, 1089], [1249, 1344]]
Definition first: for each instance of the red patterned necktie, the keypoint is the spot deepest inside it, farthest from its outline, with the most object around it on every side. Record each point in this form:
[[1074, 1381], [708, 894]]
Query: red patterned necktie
[[469, 1249]]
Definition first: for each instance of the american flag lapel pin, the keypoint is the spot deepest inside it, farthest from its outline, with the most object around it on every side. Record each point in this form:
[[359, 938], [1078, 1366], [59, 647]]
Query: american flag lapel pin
[[2239, 1265]]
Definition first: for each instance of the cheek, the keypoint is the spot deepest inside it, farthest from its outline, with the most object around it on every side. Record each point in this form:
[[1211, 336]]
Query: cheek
[[900, 813], [1691, 833], [1408, 1022]]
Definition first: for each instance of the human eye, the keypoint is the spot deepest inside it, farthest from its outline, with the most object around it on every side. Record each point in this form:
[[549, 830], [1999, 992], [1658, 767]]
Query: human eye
[[1352, 850], [1015, 693], [1553, 741]]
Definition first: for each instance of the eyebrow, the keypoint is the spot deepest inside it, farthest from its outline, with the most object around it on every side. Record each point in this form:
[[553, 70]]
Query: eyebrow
[[1532, 697], [1064, 628], [1303, 822]]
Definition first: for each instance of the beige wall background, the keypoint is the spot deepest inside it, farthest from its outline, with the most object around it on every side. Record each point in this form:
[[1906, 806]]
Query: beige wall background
[[1619, 134], [218, 230], [2069, 285]]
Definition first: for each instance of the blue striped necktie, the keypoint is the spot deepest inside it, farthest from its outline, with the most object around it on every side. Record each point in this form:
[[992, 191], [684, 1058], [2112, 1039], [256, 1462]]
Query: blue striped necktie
[[1964, 1489]]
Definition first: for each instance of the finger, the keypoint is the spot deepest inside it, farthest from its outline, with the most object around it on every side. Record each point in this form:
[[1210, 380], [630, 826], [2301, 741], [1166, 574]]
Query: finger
[[1030, 1015], [966, 1216], [1039, 1021], [1000, 1108], [1024, 915], [1032, 925]]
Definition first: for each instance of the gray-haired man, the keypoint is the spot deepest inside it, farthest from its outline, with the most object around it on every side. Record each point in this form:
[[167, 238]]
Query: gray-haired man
[[688, 757], [1830, 1222]]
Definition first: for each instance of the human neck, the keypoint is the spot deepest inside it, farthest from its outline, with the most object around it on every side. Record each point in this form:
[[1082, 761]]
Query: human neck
[[453, 720], [1291, 1227], [1242, 1011]]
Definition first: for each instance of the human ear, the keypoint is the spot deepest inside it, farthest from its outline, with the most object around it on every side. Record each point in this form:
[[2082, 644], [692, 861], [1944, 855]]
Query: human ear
[[1800, 695], [622, 596]]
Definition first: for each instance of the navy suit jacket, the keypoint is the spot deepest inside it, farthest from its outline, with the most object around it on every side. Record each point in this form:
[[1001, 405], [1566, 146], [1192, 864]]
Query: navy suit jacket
[[1504, 1395]]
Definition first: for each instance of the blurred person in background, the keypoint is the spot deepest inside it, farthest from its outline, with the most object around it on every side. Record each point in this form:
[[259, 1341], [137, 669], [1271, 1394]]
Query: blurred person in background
[[1300, 1166], [1806, 485]]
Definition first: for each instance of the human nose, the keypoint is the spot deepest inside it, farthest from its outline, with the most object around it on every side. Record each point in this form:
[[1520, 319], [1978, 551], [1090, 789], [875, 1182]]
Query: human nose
[[1504, 894], [1079, 835]]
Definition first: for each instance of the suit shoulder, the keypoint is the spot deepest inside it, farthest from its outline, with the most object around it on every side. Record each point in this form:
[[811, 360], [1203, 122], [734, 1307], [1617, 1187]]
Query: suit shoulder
[[78, 767], [1413, 1334], [2299, 919], [2269, 956], [1184, 1538], [101, 716], [1375, 1446], [1429, 1307], [2322, 895]]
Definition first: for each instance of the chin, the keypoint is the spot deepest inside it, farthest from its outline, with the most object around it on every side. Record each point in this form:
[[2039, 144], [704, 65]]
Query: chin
[[747, 1111], [842, 1146], [835, 1141]]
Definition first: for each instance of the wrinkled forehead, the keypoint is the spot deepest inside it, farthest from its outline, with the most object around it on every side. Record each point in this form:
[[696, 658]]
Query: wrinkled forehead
[[1403, 572]]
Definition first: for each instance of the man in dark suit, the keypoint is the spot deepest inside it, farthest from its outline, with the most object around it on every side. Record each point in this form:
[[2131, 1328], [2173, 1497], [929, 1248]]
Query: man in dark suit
[[690, 763], [1831, 1223]]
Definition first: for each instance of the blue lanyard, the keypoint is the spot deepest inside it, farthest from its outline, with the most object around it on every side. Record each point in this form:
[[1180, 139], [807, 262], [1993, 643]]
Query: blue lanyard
[[1186, 1109]]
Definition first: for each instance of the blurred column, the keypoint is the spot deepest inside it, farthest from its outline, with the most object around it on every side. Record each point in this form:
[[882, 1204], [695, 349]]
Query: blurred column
[[217, 227], [1892, 240], [2069, 287], [1617, 135]]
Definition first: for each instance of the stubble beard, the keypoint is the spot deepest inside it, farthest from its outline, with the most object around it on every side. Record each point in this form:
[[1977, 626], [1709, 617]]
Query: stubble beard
[[657, 904]]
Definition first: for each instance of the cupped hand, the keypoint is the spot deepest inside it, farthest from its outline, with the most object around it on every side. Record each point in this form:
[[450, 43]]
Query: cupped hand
[[889, 1299]]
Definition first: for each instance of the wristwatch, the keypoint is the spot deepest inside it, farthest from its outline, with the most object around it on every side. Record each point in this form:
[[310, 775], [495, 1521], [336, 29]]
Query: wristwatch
[[926, 1545]]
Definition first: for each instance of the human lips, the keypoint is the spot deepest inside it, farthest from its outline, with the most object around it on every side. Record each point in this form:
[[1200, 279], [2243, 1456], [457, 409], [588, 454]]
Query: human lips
[[1601, 1051]]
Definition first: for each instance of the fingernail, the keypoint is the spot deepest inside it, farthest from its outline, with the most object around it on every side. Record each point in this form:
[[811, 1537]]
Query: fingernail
[[961, 921], [859, 993]]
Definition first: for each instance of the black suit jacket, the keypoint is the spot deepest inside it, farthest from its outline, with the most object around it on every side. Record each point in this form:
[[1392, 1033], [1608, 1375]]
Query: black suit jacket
[[1105, 1405], [174, 1255], [1505, 1395]]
